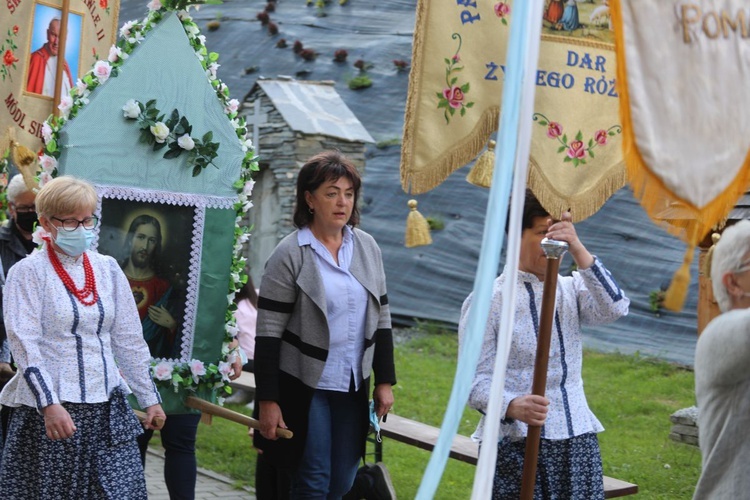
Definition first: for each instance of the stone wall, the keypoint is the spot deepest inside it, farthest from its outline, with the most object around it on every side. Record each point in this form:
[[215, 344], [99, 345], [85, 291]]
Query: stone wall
[[282, 152], [685, 426]]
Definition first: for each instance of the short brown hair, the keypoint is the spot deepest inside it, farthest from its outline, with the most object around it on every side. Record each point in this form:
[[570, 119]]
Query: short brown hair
[[325, 166], [65, 195]]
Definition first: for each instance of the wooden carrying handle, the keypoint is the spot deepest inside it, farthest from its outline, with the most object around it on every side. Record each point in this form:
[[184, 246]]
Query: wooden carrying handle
[[158, 421], [220, 411]]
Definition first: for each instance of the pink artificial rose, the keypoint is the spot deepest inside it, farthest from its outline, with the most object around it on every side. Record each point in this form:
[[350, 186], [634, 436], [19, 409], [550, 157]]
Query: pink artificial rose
[[455, 96], [163, 371], [48, 163], [502, 9], [102, 70], [46, 132], [576, 150], [601, 137], [197, 368], [554, 130], [154, 5], [225, 369], [232, 106]]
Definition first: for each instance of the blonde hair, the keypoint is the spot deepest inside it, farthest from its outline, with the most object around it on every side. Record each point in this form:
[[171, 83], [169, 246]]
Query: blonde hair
[[65, 195]]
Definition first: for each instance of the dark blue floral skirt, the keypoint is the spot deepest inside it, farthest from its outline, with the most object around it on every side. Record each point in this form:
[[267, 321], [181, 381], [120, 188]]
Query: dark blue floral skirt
[[100, 461], [568, 469]]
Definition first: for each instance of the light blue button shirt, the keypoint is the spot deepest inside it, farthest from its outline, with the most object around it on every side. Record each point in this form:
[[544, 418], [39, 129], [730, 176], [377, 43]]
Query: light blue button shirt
[[346, 301]]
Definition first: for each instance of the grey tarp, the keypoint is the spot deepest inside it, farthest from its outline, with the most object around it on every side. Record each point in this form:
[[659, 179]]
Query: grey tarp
[[431, 282]]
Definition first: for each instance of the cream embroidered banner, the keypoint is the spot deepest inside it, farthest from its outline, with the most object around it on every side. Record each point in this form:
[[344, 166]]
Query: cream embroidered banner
[[457, 80], [683, 67], [29, 32]]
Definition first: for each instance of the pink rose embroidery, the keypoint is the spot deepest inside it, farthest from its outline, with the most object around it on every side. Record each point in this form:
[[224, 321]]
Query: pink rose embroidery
[[601, 137], [576, 150], [554, 130], [502, 9], [455, 96]]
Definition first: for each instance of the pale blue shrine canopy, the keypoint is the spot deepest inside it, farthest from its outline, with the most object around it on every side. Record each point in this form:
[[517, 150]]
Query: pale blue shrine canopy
[[101, 144]]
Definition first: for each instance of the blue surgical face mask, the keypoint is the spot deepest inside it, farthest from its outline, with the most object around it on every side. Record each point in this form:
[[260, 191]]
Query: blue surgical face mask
[[374, 421], [74, 243]]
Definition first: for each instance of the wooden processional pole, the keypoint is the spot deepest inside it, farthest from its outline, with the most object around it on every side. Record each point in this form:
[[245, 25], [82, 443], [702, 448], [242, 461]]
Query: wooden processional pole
[[554, 251], [61, 42]]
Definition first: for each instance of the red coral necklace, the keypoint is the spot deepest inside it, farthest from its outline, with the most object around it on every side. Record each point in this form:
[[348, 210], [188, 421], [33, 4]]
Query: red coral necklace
[[89, 285]]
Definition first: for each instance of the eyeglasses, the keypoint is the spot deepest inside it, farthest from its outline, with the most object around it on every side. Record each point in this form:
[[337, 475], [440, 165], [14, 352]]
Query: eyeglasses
[[72, 224], [24, 210], [744, 266]]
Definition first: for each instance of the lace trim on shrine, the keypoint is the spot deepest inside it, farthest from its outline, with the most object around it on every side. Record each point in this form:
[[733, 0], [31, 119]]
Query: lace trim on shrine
[[168, 197]]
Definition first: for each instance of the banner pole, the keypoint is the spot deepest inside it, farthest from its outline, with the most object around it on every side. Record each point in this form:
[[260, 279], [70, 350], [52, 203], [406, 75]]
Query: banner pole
[[61, 43]]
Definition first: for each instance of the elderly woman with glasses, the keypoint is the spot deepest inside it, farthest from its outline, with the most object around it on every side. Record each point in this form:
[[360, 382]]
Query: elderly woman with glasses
[[722, 377], [75, 335]]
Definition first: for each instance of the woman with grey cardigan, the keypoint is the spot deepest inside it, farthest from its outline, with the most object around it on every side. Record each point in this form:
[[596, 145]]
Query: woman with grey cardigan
[[324, 327]]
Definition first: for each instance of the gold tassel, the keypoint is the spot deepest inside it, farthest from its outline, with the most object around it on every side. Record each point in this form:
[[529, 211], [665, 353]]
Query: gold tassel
[[676, 294], [22, 156], [417, 228], [481, 173], [710, 255], [24, 160]]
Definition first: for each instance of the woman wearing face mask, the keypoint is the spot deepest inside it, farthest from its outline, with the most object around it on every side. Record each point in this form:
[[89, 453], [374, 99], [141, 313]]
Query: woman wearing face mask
[[74, 332]]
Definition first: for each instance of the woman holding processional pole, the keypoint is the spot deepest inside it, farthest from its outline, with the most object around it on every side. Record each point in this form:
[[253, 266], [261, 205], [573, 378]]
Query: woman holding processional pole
[[569, 460]]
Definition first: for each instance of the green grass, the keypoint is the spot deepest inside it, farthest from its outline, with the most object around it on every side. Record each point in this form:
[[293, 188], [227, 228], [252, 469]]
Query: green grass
[[632, 396]]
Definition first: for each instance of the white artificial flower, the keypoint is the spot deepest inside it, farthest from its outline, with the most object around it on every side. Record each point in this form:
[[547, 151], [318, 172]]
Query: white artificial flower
[[66, 103], [48, 163], [186, 142], [160, 131], [114, 54], [46, 132], [247, 145], [163, 370], [39, 234], [82, 88], [232, 330], [211, 70], [202, 39], [102, 70], [131, 109], [154, 5], [125, 30], [247, 189]]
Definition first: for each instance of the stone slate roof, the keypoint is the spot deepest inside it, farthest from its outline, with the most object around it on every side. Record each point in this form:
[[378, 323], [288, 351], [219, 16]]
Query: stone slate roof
[[314, 108]]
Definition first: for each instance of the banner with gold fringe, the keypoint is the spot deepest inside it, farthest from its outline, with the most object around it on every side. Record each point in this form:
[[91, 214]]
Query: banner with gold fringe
[[456, 80], [683, 103], [29, 42]]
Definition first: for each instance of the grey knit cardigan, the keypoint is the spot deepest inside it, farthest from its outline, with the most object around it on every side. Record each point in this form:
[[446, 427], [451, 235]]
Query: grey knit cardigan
[[292, 339]]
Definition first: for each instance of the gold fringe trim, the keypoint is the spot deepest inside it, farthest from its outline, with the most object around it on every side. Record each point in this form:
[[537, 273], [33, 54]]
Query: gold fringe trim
[[689, 223], [581, 205], [416, 182]]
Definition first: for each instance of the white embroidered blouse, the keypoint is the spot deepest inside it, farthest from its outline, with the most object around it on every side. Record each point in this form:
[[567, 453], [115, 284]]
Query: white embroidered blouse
[[68, 352], [588, 297]]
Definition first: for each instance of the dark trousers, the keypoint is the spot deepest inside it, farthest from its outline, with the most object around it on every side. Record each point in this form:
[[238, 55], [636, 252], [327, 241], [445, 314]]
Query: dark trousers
[[180, 467], [272, 483]]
